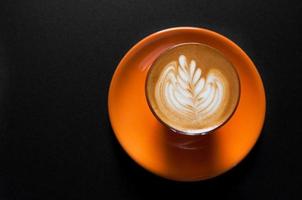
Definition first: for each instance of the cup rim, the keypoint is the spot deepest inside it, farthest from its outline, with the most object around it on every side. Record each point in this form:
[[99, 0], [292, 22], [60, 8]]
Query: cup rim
[[197, 132]]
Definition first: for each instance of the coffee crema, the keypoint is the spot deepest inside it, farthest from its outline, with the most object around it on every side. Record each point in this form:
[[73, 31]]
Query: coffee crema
[[192, 88]]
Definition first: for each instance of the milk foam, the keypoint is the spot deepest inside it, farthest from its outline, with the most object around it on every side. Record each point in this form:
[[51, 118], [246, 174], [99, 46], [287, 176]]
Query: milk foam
[[187, 91]]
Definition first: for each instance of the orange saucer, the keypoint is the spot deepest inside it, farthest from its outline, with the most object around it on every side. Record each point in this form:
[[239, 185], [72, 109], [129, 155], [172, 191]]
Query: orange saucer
[[163, 152]]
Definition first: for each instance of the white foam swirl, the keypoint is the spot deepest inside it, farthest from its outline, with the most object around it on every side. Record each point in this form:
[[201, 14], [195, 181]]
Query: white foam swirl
[[185, 90]]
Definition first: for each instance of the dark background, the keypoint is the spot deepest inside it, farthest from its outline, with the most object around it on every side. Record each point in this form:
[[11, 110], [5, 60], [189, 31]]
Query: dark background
[[56, 62]]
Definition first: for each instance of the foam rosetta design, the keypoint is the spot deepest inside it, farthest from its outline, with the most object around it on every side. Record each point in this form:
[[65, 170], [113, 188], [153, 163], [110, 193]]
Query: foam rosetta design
[[184, 89]]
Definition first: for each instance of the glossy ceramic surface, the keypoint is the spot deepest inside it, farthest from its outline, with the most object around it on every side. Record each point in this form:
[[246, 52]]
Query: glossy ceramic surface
[[175, 156]]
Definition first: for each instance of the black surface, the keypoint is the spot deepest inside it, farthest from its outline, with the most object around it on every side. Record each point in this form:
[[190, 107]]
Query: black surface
[[56, 62]]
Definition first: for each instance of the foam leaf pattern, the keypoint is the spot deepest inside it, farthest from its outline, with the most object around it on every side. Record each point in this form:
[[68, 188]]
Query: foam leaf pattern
[[185, 89]]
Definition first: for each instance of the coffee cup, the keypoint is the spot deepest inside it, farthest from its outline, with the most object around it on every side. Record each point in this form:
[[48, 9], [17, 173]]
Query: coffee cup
[[192, 88]]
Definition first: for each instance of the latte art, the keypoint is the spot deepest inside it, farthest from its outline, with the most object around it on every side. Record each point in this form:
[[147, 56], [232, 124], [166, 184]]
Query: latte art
[[185, 89], [192, 88]]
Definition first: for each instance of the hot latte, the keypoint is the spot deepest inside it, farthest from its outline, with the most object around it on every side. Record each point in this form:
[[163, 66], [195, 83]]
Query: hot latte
[[192, 88]]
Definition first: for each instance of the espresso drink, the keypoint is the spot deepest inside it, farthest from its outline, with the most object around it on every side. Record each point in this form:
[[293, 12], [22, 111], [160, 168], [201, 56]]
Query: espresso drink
[[192, 88]]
